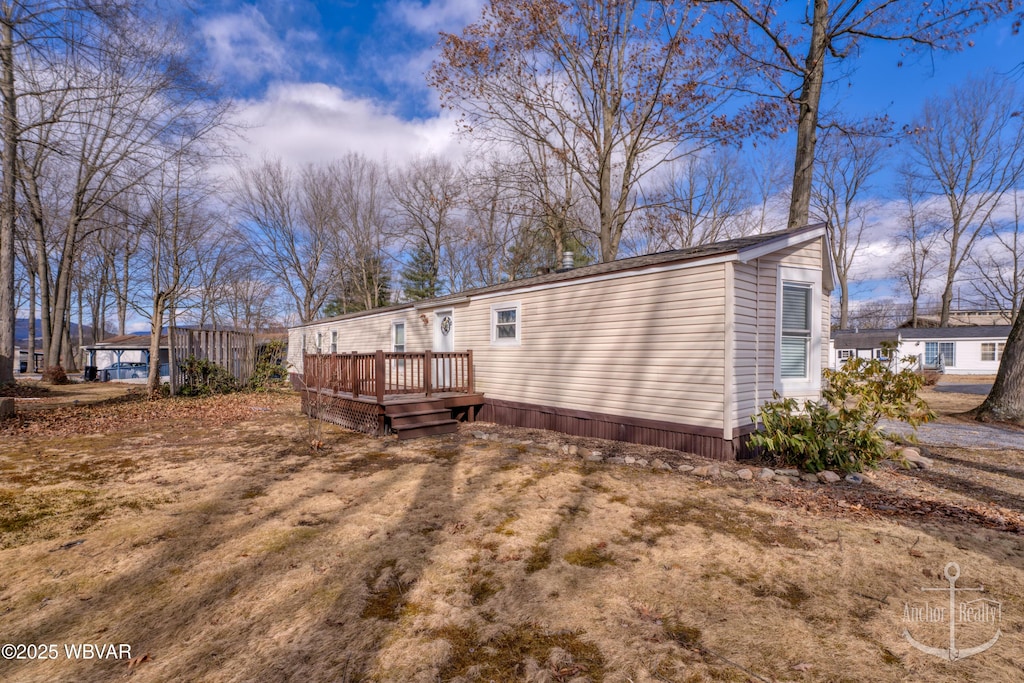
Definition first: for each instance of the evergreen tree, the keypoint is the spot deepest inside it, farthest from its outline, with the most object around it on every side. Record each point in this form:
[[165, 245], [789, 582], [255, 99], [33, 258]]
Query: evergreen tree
[[420, 278]]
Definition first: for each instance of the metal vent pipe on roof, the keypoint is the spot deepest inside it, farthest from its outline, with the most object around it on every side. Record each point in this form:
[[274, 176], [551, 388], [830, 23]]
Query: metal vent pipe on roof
[[567, 260]]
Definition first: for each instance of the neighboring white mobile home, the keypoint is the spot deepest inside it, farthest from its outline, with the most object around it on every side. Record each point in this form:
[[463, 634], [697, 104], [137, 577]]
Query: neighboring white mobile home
[[974, 350], [677, 349]]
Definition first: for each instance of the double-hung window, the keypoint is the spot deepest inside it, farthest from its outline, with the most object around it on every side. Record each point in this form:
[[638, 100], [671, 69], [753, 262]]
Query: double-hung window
[[506, 324], [798, 331], [398, 343], [398, 337], [334, 341], [795, 349]]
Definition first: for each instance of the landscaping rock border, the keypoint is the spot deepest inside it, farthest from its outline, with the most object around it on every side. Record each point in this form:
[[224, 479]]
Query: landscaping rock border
[[729, 471]]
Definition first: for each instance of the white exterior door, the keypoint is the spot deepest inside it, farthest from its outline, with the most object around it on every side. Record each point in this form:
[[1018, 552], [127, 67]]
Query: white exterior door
[[444, 342]]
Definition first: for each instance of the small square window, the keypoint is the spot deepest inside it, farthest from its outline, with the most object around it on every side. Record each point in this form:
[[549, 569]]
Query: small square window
[[505, 324]]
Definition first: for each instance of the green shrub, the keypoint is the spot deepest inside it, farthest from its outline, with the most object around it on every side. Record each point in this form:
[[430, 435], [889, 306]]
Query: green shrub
[[269, 371], [200, 377], [840, 432]]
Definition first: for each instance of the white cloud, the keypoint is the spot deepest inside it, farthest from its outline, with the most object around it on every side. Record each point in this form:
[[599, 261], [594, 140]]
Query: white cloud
[[315, 122], [243, 47], [437, 15]]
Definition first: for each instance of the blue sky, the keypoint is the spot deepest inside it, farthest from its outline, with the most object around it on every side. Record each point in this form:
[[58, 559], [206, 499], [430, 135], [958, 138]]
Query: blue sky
[[353, 72], [314, 80]]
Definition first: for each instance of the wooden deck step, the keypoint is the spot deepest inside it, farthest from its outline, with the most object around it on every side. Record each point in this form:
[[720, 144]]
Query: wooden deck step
[[402, 407], [406, 420], [431, 428]]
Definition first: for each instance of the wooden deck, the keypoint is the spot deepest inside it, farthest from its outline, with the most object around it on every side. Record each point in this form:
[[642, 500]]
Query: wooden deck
[[411, 394]]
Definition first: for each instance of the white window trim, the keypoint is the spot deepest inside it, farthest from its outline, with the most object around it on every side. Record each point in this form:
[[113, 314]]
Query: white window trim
[[811, 383], [394, 337], [507, 306], [997, 348]]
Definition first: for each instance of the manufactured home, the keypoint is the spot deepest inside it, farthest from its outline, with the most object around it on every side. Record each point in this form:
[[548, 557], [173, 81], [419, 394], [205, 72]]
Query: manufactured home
[[676, 349], [965, 350]]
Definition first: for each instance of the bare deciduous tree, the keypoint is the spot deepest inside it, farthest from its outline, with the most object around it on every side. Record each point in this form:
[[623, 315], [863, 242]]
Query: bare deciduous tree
[[968, 149], [789, 48], [916, 242], [427, 195], [609, 88], [288, 224], [844, 169], [359, 247], [701, 201], [173, 226], [997, 273]]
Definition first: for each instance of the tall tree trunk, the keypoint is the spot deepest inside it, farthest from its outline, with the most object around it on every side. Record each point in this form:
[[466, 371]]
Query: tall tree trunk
[[31, 367], [844, 301], [1005, 402], [807, 124], [62, 296], [155, 326], [7, 202]]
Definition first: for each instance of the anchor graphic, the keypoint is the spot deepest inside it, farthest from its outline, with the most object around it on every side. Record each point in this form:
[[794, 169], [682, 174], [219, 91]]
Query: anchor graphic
[[952, 653]]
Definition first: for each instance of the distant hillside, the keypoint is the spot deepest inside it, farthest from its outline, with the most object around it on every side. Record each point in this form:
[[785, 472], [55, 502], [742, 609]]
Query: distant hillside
[[21, 330]]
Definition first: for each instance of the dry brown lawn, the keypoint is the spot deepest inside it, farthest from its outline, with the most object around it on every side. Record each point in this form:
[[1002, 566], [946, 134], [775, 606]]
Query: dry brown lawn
[[208, 536]]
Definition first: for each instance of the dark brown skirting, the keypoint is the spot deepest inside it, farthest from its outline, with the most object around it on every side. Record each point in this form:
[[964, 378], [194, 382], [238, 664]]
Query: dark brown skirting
[[705, 441]]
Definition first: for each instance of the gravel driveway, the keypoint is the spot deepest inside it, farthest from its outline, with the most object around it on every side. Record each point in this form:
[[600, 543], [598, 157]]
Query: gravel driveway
[[961, 434]]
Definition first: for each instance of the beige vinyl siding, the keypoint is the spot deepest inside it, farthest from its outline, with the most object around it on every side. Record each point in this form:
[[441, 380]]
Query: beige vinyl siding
[[756, 310], [649, 346], [363, 334], [826, 325], [751, 351]]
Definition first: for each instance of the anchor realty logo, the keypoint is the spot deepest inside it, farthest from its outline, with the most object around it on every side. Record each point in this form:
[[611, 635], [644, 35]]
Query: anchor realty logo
[[969, 616]]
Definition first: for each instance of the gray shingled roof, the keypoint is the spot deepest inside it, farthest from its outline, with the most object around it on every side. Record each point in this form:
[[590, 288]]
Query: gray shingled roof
[[959, 332], [872, 339], [704, 251], [863, 339]]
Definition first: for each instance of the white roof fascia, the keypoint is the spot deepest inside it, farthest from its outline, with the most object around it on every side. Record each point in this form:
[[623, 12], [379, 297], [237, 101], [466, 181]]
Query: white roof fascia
[[757, 251]]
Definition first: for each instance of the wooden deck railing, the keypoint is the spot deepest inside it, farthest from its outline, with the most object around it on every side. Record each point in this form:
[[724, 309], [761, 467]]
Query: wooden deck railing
[[387, 373]]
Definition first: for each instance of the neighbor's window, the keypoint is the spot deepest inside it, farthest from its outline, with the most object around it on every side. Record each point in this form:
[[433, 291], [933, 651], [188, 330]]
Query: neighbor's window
[[319, 341], [844, 354], [334, 341], [932, 350], [796, 330], [505, 324], [992, 351]]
